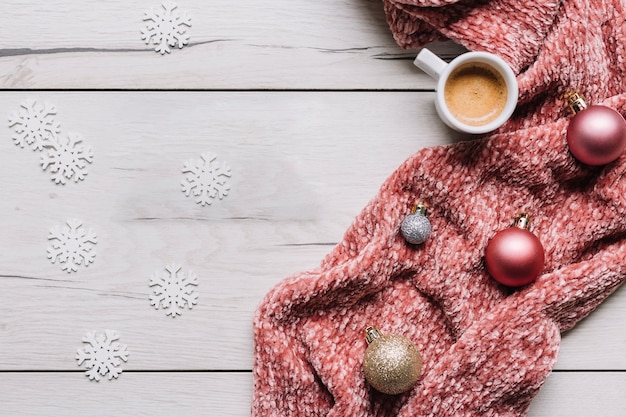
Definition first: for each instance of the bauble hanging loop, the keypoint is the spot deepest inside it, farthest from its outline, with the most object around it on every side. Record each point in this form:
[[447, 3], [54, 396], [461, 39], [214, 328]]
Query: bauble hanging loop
[[415, 227], [514, 256], [596, 135], [392, 363]]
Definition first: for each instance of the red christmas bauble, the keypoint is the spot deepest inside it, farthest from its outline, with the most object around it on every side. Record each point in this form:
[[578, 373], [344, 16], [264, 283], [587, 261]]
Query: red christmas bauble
[[597, 135], [514, 257]]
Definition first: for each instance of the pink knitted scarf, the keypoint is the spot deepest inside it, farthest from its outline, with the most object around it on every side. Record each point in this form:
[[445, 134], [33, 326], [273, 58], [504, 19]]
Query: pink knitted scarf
[[486, 348]]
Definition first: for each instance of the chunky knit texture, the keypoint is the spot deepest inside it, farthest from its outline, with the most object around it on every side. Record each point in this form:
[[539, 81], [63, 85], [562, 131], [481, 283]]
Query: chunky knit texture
[[486, 349]]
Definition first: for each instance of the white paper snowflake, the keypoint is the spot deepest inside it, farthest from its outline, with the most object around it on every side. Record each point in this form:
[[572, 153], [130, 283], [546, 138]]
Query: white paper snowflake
[[102, 355], [34, 124], [166, 27], [173, 290], [206, 179], [72, 245], [67, 158]]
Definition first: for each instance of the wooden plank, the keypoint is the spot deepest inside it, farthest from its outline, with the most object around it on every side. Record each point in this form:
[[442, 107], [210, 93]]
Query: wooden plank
[[581, 394], [304, 164], [229, 394], [271, 45], [132, 394]]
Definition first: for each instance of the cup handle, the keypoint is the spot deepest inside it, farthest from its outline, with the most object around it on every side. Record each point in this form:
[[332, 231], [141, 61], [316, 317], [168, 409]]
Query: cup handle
[[430, 63]]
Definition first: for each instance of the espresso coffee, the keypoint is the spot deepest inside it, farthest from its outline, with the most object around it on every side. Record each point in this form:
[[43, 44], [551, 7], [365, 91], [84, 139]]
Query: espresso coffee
[[475, 94]]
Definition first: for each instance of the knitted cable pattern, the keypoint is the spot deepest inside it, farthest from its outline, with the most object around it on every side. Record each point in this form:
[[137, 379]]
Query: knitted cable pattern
[[486, 348]]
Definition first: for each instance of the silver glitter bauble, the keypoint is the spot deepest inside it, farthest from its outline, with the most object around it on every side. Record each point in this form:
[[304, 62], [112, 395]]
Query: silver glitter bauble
[[415, 227], [392, 363]]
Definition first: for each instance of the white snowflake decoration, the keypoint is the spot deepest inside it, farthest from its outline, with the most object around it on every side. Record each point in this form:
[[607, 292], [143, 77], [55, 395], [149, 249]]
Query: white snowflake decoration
[[166, 27], [206, 179], [34, 124], [102, 355], [72, 245], [67, 158], [173, 290]]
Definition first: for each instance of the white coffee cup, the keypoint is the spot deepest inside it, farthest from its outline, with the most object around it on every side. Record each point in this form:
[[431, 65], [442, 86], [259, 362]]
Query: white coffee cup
[[476, 92]]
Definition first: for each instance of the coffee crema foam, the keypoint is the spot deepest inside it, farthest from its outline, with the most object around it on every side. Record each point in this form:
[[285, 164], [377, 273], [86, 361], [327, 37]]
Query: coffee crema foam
[[475, 94]]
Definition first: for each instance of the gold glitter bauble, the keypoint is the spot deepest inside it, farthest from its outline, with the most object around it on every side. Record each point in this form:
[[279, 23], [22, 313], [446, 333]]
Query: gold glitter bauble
[[392, 363]]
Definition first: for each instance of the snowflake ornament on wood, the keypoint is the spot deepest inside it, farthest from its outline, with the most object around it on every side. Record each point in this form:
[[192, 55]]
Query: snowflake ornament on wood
[[206, 179], [166, 27], [103, 355], [173, 290], [72, 245], [67, 158], [34, 124]]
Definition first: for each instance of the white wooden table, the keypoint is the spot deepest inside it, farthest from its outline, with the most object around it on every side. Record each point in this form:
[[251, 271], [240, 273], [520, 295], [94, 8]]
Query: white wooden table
[[310, 102]]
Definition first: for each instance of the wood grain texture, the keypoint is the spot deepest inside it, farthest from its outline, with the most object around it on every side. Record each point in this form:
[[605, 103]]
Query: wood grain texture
[[133, 394], [303, 165], [251, 45]]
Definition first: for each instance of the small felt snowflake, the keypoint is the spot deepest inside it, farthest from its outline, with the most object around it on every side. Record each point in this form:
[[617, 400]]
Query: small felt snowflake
[[34, 124], [206, 179], [72, 245], [166, 27], [173, 290], [102, 355], [67, 158]]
